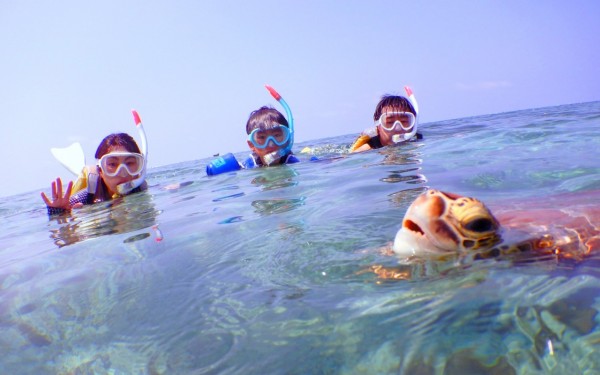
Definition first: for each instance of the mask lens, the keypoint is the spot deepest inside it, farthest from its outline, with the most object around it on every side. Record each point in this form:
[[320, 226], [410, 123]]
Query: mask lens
[[112, 163], [391, 121], [279, 135]]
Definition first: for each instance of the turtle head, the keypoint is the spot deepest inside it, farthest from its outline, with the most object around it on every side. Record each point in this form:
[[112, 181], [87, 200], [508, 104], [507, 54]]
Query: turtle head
[[444, 223]]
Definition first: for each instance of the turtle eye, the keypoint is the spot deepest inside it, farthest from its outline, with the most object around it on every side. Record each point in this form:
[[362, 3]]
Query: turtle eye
[[480, 225]]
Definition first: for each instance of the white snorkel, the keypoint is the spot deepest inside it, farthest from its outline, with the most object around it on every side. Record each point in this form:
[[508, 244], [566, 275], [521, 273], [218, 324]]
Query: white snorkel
[[397, 138], [127, 187], [270, 158]]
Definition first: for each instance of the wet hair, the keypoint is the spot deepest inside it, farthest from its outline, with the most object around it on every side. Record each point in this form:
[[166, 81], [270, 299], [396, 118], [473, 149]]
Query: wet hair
[[265, 118], [116, 140], [394, 101]]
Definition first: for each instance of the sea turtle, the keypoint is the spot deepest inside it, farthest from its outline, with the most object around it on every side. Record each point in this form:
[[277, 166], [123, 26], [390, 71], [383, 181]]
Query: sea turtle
[[566, 226], [440, 224]]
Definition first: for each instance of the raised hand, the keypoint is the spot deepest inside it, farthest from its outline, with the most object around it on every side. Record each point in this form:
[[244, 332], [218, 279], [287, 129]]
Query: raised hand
[[58, 199]]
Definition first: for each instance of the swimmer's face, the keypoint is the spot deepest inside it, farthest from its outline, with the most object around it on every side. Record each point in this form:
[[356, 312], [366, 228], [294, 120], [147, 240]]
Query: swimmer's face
[[122, 176], [262, 136], [385, 136]]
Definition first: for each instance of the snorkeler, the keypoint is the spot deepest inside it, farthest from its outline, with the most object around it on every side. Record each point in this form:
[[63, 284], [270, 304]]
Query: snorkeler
[[270, 138], [395, 122], [120, 170]]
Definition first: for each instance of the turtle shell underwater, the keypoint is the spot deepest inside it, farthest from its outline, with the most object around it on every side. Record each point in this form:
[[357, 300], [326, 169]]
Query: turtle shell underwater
[[562, 227]]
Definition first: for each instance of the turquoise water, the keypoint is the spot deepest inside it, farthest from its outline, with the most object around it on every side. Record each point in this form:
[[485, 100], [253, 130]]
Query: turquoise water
[[262, 271]]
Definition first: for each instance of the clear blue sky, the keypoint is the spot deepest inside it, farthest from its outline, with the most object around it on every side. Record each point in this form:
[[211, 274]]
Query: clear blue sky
[[72, 70]]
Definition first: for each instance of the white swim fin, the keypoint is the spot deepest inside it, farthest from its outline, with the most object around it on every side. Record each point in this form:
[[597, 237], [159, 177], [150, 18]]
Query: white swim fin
[[71, 157]]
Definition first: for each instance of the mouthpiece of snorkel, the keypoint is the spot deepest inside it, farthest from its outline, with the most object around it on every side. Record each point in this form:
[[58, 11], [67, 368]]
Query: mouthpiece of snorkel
[[276, 155], [397, 138], [127, 187]]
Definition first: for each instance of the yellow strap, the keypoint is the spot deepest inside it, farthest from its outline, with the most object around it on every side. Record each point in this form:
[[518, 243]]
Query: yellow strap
[[81, 182]]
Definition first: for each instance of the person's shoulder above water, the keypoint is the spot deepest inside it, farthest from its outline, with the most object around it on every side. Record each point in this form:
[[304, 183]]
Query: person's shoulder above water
[[365, 142]]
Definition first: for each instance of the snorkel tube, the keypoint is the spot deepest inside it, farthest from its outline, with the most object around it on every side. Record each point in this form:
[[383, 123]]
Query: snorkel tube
[[270, 158], [397, 138], [127, 187]]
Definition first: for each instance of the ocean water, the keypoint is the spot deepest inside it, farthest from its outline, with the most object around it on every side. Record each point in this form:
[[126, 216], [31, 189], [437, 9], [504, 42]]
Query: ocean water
[[266, 271]]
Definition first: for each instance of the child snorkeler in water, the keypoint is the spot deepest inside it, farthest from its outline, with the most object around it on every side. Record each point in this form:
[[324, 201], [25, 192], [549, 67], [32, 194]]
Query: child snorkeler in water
[[270, 138], [120, 170], [395, 122]]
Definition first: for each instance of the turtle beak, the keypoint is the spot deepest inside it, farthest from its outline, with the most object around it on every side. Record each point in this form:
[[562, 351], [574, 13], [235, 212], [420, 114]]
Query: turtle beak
[[409, 239], [422, 230]]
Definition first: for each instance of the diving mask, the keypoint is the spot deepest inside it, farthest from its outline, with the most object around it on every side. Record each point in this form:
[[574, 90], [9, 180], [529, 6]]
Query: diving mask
[[396, 121], [402, 125], [279, 135], [112, 163]]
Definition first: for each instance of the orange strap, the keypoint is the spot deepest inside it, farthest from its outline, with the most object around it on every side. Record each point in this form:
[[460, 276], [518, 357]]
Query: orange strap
[[361, 140]]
